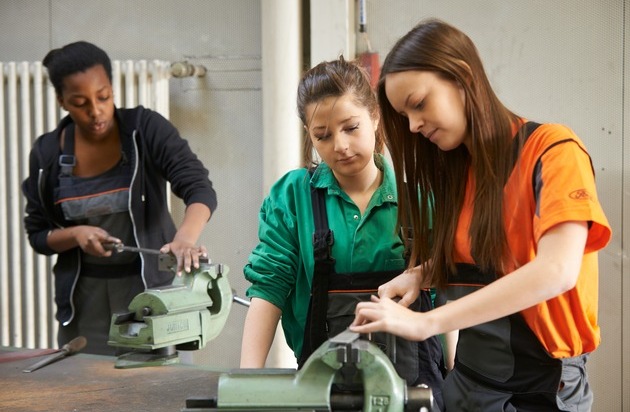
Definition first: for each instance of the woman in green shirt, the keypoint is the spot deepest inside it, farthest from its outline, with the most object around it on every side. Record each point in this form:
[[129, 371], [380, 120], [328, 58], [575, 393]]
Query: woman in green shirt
[[339, 111]]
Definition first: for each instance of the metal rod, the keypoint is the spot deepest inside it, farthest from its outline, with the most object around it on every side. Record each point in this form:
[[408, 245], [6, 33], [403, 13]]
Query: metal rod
[[119, 248], [241, 301], [362, 17]]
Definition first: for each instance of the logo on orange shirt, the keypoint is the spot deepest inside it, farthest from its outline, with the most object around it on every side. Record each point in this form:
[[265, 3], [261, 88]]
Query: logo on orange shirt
[[580, 194]]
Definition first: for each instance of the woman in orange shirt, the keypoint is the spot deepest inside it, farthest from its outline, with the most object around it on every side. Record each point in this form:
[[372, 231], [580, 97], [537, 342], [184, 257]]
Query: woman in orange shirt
[[516, 226]]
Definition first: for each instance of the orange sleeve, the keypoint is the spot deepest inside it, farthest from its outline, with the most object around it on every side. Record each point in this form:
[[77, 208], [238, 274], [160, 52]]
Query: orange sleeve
[[568, 193]]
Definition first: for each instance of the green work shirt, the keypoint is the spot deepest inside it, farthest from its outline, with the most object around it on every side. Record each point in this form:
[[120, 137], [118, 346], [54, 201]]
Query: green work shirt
[[280, 268]]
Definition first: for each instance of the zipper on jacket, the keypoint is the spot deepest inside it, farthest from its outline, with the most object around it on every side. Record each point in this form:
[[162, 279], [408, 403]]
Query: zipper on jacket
[[133, 221], [40, 193], [74, 286]]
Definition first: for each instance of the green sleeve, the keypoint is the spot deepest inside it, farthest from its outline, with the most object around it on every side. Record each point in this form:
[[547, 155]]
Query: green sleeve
[[273, 264]]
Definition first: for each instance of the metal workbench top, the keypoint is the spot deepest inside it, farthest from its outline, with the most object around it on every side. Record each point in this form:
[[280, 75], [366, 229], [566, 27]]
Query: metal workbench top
[[85, 382]]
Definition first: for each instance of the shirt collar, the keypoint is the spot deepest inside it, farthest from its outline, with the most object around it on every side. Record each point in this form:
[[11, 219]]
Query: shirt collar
[[323, 178]]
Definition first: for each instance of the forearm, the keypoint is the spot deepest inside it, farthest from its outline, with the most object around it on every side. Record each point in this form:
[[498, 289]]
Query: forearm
[[258, 333], [450, 341], [195, 219], [62, 239], [553, 272], [510, 294]]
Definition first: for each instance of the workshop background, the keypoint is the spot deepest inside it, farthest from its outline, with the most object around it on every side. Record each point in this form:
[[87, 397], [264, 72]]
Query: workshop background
[[562, 61]]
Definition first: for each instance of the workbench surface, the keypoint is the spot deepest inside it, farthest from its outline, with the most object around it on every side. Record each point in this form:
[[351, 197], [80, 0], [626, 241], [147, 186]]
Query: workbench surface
[[84, 382]]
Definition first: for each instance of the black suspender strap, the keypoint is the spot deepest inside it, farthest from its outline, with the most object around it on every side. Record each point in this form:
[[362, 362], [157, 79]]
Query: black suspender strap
[[67, 160], [406, 229], [315, 332], [528, 128], [323, 238]]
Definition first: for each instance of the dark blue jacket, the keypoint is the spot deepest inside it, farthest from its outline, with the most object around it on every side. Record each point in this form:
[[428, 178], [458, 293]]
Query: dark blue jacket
[[159, 155]]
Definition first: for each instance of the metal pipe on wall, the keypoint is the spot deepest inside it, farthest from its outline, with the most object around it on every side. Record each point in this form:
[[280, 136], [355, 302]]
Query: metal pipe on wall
[[13, 220], [4, 247], [185, 69], [28, 315], [281, 69], [282, 136]]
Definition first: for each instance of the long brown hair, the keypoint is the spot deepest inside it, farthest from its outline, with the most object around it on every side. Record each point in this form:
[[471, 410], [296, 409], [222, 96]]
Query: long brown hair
[[335, 79], [437, 179]]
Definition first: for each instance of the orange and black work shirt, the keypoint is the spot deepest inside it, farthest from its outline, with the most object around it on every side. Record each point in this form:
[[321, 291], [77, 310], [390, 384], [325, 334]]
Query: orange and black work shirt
[[552, 182]]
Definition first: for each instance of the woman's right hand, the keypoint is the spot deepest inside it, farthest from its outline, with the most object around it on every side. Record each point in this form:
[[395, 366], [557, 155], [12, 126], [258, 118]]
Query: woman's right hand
[[405, 286], [91, 239]]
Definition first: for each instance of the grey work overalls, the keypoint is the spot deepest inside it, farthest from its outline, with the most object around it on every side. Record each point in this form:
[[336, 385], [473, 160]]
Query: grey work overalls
[[502, 366]]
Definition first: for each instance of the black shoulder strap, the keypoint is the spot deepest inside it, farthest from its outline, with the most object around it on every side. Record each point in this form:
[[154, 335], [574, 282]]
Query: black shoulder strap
[[315, 330], [527, 129], [323, 237], [406, 228], [67, 160], [517, 144]]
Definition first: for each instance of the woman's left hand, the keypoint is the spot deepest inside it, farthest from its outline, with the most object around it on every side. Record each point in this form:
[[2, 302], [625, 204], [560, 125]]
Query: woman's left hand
[[187, 254]]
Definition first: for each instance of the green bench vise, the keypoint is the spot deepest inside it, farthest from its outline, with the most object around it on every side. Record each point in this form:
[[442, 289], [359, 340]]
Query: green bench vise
[[182, 316], [345, 373]]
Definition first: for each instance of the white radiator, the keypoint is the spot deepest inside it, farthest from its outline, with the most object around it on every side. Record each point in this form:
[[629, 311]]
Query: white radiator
[[28, 108]]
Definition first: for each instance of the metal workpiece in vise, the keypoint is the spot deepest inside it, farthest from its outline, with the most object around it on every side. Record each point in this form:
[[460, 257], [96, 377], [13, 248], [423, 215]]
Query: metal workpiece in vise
[[345, 373], [182, 316]]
